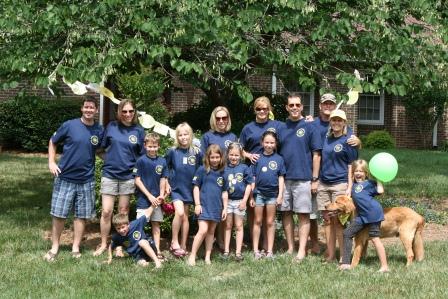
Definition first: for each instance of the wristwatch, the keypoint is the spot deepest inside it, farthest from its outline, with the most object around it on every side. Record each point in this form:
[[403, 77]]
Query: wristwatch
[[315, 179]]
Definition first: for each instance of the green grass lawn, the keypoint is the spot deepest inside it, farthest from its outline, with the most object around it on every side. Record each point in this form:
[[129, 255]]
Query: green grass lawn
[[25, 190]]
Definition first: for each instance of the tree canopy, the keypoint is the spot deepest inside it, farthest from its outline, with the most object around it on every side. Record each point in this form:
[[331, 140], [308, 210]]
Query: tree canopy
[[401, 45]]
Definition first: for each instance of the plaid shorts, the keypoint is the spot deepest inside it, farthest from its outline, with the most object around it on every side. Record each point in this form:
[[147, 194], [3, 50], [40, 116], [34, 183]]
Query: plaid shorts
[[67, 196]]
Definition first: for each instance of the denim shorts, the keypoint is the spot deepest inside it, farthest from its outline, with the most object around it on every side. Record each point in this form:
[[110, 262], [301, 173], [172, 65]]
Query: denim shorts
[[232, 207], [261, 201], [69, 196]]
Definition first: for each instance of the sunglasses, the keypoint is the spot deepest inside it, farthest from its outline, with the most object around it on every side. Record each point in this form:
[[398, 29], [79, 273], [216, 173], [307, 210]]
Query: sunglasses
[[292, 105], [261, 109], [127, 111], [224, 118]]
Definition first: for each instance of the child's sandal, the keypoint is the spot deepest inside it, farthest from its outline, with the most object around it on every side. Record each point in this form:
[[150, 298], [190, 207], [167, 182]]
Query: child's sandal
[[50, 256], [239, 257]]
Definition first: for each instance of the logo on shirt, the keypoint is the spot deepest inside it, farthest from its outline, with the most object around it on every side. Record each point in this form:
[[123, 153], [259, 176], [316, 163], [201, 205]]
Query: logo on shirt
[[132, 139], [272, 165], [231, 190], [227, 143], [136, 235], [239, 177], [300, 132], [220, 181], [192, 160], [94, 139], [271, 130], [338, 148], [358, 188], [264, 169], [159, 169]]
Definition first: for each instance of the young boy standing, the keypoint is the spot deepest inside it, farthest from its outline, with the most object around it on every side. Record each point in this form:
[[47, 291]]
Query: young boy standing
[[151, 181], [132, 236]]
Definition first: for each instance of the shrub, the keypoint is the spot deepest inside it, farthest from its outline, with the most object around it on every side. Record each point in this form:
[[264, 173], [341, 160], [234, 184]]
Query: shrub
[[379, 140], [27, 121]]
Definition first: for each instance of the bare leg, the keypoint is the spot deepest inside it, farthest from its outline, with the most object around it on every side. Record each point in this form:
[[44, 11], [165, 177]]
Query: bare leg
[[105, 222], [239, 233], [381, 254], [228, 231], [304, 230], [221, 227], [288, 226], [78, 231], [144, 244], [56, 231], [155, 227], [264, 231], [209, 241], [270, 226], [258, 219], [197, 241], [177, 222], [185, 228], [123, 203]]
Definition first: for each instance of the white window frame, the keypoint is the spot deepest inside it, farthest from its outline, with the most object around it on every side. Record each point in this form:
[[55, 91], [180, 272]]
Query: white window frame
[[380, 121]]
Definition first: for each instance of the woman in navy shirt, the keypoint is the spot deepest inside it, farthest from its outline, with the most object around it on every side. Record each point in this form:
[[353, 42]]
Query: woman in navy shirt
[[123, 143], [335, 177], [220, 125]]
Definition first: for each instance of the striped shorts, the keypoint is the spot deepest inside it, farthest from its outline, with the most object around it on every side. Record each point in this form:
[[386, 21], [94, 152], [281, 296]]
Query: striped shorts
[[69, 196]]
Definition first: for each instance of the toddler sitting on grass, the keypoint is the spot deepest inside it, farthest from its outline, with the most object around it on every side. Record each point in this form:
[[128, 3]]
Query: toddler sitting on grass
[[131, 235]]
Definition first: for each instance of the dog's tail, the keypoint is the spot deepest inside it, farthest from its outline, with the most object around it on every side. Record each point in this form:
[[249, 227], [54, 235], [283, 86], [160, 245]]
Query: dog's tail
[[417, 245]]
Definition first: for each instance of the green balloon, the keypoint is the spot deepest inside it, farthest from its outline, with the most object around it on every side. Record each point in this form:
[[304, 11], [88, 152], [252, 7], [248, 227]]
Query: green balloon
[[384, 167]]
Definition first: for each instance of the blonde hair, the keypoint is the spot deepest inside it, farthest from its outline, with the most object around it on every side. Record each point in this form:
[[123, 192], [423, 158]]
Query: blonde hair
[[213, 149], [364, 166], [235, 145], [120, 219], [263, 100], [152, 137], [215, 111], [120, 109], [184, 126]]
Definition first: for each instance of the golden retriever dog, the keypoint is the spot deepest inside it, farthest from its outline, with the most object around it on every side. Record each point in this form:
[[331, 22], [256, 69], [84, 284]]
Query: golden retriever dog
[[400, 222]]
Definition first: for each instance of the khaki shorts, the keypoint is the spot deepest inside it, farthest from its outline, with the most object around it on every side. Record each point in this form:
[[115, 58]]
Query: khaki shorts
[[117, 187], [326, 193], [157, 214]]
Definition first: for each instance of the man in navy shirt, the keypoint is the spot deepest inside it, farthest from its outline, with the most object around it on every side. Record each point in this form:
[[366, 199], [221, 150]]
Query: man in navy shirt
[[300, 145], [74, 175]]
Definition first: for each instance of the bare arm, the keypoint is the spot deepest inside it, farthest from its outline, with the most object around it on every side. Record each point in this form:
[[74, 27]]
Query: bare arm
[[163, 193], [251, 157], [350, 181], [149, 211], [379, 187], [109, 254], [54, 169], [316, 168], [197, 200], [252, 199], [225, 199], [281, 188], [354, 141]]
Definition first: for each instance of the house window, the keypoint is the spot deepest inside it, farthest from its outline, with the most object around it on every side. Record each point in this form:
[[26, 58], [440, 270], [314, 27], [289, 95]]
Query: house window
[[371, 109]]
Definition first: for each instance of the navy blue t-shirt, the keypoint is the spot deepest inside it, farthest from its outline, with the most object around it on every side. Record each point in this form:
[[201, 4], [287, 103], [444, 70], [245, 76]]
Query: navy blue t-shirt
[[337, 155], [150, 170], [266, 171], [221, 139], [250, 136], [130, 241], [298, 140], [237, 178], [77, 163], [182, 164], [368, 209], [123, 146], [211, 186]]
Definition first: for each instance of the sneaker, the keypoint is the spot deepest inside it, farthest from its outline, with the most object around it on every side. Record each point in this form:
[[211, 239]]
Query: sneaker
[[257, 255], [270, 255], [239, 257]]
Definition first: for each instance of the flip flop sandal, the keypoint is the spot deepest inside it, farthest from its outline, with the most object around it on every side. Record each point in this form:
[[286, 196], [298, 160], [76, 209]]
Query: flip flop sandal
[[50, 256], [161, 257], [177, 252], [239, 257]]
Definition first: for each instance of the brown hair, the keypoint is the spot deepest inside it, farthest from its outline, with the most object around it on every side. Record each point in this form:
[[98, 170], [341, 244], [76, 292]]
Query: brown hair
[[120, 109], [235, 145], [120, 219], [89, 99], [213, 118], [152, 137], [213, 149]]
